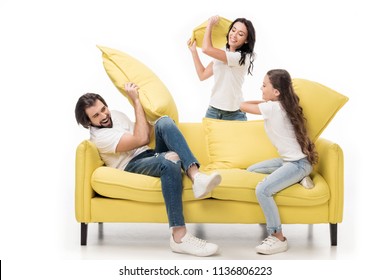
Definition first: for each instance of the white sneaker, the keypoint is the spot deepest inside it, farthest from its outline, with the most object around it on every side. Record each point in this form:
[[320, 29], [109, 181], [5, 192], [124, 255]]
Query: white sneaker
[[307, 183], [272, 245], [193, 246], [203, 183]]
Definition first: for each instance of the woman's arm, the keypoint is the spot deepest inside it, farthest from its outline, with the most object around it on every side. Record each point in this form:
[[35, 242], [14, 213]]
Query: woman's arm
[[203, 72], [207, 46]]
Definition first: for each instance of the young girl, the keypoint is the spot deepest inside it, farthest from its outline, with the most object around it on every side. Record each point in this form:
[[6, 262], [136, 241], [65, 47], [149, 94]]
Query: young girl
[[284, 123], [229, 67]]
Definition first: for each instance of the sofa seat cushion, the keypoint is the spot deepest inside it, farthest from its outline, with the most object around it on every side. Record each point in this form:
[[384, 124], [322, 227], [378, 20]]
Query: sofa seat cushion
[[240, 185], [236, 185], [115, 183]]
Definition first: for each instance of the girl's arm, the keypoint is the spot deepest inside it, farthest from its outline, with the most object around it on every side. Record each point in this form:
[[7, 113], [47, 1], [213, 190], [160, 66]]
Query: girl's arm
[[207, 46], [251, 107]]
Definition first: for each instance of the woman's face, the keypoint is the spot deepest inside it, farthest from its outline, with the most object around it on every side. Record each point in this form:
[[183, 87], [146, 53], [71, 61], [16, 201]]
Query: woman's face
[[237, 36]]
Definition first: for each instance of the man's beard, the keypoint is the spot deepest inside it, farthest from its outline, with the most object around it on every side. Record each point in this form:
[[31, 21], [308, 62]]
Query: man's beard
[[102, 126]]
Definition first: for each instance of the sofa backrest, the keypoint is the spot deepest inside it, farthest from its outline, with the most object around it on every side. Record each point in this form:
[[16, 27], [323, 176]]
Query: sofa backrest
[[195, 136]]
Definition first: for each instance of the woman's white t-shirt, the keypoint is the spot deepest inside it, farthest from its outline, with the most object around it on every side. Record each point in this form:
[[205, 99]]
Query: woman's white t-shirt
[[226, 93], [280, 131]]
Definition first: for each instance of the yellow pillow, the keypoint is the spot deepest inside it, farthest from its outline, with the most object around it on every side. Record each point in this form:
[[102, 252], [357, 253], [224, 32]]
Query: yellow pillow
[[236, 144], [219, 33], [320, 104], [154, 95]]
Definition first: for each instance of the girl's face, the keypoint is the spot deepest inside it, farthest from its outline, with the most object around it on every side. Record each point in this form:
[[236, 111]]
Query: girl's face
[[237, 36], [269, 92]]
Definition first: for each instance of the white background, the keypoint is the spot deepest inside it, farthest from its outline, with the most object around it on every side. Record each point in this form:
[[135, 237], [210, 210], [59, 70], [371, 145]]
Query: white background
[[49, 58]]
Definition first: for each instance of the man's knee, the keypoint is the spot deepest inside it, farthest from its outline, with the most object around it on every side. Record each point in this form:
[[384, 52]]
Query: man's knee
[[163, 120], [172, 156]]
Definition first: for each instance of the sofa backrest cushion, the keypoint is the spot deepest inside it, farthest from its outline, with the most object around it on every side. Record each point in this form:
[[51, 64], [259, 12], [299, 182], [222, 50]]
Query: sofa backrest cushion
[[320, 104], [195, 138], [236, 144], [154, 95], [218, 36]]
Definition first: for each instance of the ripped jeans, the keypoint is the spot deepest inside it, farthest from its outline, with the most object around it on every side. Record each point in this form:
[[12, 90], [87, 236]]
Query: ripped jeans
[[170, 156]]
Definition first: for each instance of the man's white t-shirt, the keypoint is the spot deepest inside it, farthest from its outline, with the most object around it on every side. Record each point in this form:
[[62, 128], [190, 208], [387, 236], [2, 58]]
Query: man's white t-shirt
[[226, 93], [106, 140], [280, 131]]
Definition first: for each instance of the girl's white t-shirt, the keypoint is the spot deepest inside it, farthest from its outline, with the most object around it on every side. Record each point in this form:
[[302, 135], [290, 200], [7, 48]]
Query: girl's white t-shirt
[[106, 140], [226, 93], [280, 131]]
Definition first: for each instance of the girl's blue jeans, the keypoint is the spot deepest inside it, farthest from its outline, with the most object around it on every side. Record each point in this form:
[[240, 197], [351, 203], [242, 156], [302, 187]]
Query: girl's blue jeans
[[157, 163], [282, 174]]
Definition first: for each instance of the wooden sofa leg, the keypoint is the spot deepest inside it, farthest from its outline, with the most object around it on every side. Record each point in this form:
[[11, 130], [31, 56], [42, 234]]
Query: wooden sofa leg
[[333, 234], [84, 233]]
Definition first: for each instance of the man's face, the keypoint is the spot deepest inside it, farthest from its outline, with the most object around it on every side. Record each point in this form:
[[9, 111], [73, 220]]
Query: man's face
[[99, 115]]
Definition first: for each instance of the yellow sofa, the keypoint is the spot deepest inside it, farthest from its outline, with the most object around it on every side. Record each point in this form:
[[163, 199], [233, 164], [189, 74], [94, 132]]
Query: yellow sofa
[[105, 194]]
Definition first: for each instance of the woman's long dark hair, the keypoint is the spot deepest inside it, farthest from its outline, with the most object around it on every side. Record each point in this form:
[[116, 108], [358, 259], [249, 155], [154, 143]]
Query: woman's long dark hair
[[281, 80], [249, 46]]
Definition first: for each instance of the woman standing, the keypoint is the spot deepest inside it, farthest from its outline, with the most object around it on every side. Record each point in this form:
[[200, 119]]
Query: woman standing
[[229, 67]]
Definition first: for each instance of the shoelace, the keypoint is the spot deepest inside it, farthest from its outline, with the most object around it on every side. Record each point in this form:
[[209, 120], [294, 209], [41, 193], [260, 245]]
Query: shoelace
[[196, 241]]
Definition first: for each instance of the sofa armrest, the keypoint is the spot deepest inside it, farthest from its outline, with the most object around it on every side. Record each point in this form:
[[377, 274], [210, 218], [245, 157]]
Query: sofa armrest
[[331, 168], [87, 160]]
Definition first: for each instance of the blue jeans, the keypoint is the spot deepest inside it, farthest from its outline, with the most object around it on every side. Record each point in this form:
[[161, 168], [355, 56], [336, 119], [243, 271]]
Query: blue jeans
[[214, 113], [282, 174], [155, 163]]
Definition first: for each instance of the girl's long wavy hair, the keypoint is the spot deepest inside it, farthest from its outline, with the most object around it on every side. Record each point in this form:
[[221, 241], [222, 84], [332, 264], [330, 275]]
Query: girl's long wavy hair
[[281, 80], [249, 46]]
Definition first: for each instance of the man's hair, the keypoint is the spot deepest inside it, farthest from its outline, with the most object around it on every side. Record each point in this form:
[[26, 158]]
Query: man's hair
[[85, 101]]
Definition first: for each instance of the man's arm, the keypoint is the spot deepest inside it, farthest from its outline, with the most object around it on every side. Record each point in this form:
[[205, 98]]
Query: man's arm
[[141, 134]]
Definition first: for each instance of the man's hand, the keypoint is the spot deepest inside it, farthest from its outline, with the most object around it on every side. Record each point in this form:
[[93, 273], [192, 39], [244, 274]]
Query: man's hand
[[132, 91]]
